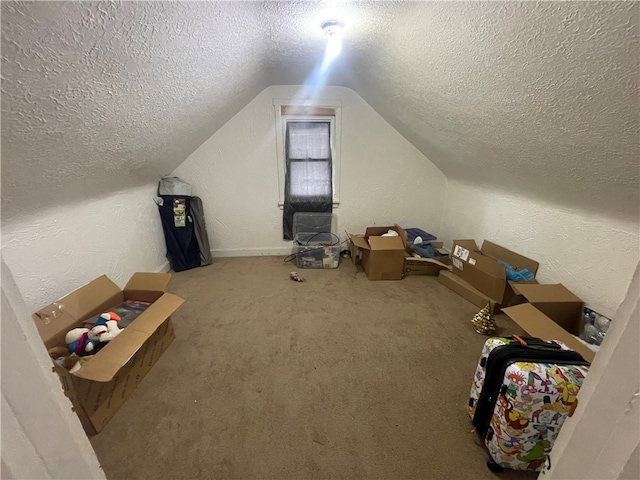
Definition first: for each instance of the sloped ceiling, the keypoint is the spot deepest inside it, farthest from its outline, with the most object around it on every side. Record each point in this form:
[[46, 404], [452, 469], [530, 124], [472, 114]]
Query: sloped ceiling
[[540, 98]]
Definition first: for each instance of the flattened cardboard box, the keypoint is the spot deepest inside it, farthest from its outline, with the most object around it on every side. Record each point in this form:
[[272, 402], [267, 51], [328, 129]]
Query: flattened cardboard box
[[426, 266], [382, 257], [467, 291], [107, 379], [480, 267]]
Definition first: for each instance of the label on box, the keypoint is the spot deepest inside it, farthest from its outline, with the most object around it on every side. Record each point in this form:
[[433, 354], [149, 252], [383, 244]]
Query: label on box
[[461, 252], [472, 261], [457, 263]]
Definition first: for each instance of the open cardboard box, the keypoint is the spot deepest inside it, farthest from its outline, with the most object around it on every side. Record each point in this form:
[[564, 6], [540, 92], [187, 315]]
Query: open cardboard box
[[382, 258], [480, 268], [107, 379], [550, 312]]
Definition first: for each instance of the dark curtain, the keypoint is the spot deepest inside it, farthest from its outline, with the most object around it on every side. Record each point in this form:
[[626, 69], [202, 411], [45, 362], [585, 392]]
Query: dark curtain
[[308, 177]]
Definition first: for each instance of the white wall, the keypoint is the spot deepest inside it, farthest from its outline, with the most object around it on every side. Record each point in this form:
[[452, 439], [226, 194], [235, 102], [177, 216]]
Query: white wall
[[591, 254], [601, 440], [44, 257], [383, 179], [63, 248], [41, 436]]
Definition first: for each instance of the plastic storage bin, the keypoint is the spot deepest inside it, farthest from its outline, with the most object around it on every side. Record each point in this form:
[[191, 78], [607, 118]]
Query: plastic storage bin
[[313, 222], [314, 244], [316, 250]]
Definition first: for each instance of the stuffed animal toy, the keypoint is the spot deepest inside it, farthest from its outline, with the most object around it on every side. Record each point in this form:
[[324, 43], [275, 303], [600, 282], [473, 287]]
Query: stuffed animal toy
[[81, 341], [84, 341], [107, 332], [105, 317], [113, 329]]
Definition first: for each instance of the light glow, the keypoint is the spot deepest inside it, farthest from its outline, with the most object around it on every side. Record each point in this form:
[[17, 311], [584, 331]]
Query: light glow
[[317, 79], [333, 30], [334, 47]]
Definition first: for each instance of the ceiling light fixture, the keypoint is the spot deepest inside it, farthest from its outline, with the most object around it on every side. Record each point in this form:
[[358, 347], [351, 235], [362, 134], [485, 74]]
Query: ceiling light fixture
[[332, 27], [333, 30]]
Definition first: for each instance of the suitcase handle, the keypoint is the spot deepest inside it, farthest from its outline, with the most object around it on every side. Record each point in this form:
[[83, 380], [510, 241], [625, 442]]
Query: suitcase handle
[[535, 342], [519, 340]]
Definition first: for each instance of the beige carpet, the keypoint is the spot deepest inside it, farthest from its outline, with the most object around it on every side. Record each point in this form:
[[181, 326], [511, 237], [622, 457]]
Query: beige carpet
[[337, 377]]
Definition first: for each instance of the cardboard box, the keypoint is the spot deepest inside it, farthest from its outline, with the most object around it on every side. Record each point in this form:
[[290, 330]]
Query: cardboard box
[[556, 301], [465, 290], [426, 266], [107, 379], [551, 312], [356, 253], [382, 257], [480, 267]]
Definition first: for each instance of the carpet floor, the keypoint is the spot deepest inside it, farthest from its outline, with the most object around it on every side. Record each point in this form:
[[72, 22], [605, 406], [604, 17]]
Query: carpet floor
[[336, 377]]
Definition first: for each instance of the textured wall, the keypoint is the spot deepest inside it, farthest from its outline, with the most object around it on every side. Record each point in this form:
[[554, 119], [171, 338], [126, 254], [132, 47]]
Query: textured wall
[[538, 97], [384, 179], [61, 249], [593, 255]]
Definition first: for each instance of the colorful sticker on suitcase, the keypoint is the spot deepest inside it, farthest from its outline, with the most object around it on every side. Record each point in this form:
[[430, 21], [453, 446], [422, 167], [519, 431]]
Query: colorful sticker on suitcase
[[478, 378], [534, 402]]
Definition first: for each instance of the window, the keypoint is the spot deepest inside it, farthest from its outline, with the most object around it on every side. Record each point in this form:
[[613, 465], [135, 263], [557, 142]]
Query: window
[[308, 151], [308, 159], [289, 111]]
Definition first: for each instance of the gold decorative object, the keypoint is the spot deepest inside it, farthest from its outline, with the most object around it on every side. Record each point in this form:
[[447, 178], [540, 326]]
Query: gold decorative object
[[483, 321]]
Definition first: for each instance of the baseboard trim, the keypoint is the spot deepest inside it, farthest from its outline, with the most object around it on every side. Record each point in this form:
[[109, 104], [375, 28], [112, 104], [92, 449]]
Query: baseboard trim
[[251, 252], [164, 268]]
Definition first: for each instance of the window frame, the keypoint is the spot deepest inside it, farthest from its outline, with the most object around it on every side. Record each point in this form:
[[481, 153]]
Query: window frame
[[306, 115]]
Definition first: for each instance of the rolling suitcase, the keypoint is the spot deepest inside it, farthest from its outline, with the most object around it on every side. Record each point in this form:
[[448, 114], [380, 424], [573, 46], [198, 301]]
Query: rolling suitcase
[[522, 392]]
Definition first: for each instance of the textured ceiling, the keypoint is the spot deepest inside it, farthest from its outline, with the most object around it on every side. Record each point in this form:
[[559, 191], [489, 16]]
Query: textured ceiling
[[539, 98]]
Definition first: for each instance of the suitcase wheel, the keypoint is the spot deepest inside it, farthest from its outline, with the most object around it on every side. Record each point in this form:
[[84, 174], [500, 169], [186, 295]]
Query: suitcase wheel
[[493, 466]]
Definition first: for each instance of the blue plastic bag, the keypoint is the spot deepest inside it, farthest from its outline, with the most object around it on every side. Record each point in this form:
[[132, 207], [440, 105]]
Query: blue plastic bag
[[516, 275]]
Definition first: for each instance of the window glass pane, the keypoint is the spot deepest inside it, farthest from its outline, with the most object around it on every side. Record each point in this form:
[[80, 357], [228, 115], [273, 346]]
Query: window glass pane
[[310, 179], [308, 140]]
